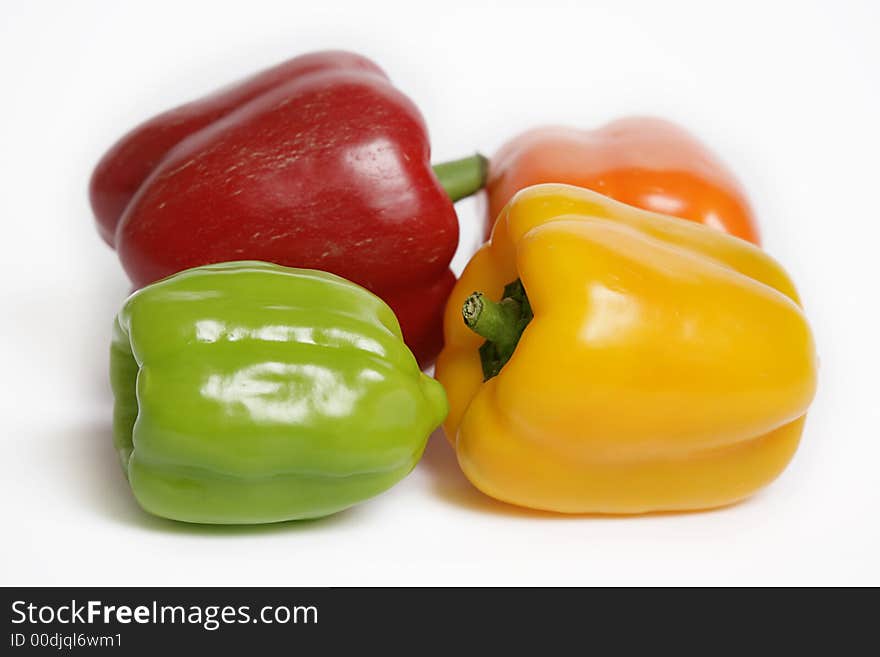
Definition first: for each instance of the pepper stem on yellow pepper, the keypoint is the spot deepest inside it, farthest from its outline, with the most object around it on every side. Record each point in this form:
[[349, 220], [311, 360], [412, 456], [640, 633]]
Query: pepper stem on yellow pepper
[[501, 323]]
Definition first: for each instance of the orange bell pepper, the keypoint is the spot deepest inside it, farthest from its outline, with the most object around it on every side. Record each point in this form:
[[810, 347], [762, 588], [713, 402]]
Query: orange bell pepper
[[621, 361], [645, 162]]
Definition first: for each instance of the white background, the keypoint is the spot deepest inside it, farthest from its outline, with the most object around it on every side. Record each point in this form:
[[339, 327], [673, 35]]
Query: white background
[[787, 93]]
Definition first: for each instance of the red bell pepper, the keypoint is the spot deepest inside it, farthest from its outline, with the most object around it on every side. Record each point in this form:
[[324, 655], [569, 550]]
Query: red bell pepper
[[318, 162]]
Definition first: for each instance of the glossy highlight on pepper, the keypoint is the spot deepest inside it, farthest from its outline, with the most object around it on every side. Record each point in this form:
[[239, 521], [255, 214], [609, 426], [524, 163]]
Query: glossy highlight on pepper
[[248, 393], [665, 366]]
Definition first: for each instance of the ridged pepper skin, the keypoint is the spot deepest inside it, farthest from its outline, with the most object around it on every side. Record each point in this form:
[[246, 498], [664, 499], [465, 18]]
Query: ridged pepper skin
[[247, 392], [641, 161], [319, 163], [667, 366]]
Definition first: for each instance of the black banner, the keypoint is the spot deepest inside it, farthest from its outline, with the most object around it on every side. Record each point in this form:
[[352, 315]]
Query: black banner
[[143, 621]]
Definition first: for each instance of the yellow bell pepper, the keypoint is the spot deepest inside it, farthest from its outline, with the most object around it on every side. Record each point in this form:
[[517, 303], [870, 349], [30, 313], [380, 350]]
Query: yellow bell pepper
[[662, 366]]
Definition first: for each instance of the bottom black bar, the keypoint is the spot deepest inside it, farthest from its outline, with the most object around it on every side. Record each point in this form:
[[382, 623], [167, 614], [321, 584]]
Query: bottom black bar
[[129, 621]]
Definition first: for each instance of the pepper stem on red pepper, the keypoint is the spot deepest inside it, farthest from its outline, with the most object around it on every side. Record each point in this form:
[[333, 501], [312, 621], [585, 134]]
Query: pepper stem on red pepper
[[464, 177], [501, 323]]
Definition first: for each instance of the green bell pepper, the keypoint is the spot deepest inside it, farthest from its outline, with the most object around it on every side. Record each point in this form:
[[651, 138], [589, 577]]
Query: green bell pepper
[[249, 393]]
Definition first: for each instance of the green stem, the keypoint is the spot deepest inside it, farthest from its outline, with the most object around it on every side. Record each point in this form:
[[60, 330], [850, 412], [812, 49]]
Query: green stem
[[464, 177], [501, 323], [497, 322]]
